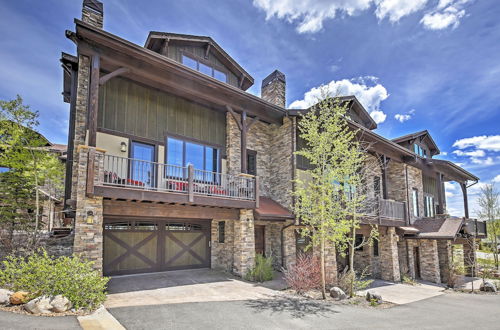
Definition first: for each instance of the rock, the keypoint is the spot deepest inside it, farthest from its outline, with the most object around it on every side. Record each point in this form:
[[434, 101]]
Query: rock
[[337, 293], [60, 304], [40, 305], [370, 296], [19, 297], [488, 286], [5, 296]]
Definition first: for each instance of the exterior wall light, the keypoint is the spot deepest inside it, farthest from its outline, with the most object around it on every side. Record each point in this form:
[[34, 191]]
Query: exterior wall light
[[90, 217], [123, 147]]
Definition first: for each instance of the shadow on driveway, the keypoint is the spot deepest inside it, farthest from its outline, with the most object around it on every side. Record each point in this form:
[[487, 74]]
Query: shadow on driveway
[[295, 306]]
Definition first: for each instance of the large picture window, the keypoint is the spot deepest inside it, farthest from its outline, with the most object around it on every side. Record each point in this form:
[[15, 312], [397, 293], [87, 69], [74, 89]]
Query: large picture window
[[429, 206], [205, 68], [184, 153]]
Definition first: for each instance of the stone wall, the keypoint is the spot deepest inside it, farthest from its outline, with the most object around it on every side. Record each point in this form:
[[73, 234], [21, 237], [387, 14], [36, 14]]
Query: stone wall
[[244, 243], [92, 17], [415, 181], [372, 169], [272, 237], [445, 259], [429, 261], [55, 246], [273, 89], [88, 241], [222, 254], [281, 151], [290, 246], [389, 259]]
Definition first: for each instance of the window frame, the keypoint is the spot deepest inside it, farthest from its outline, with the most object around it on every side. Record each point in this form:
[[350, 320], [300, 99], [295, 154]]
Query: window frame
[[221, 232], [429, 209], [199, 60], [251, 153], [414, 199], [376, 249]]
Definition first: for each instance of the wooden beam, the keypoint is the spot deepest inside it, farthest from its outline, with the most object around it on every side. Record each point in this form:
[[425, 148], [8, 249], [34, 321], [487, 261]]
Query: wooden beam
[[110, 75], [207, 51], [254, 120], [164, 48], [466, 202], [240, 82], [93, 99], [385, 161], [236, 119], [440, 192], [244, 131]]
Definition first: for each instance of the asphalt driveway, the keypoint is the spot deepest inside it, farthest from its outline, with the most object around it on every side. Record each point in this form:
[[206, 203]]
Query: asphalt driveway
[[448, 311]]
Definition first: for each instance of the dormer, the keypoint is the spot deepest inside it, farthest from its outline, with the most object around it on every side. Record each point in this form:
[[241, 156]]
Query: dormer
[[201, 54], [421, 143]]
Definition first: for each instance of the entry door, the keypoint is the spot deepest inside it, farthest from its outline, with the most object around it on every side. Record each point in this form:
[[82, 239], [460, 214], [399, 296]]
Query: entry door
[[141, 167], [260, 246], [416, 260]]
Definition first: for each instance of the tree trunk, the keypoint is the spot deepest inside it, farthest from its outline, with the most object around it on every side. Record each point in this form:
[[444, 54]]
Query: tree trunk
[[323, 273], [351, 261]]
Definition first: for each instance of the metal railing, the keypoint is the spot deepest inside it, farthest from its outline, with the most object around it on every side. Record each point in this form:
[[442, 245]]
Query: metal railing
[[476, 227], [141, 174], [384, 209]]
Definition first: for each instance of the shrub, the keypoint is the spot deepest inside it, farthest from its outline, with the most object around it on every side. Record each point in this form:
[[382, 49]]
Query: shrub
[[40, 274], [351, 282], [263, 269], [305, 275], [407, 279]]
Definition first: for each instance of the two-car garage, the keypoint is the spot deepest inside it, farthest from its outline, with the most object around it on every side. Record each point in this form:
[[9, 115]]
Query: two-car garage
[[137, 245]]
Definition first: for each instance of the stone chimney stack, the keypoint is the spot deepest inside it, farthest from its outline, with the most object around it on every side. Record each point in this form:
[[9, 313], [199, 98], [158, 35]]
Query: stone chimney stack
[[93, 13], [274, 88]]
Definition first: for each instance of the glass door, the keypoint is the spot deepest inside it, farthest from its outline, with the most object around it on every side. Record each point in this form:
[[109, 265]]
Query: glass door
[[142, 168]]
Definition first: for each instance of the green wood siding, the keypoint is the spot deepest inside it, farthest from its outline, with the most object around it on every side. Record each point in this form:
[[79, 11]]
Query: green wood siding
[[302, 162], [430, 186], [131, 108], [175, 53]]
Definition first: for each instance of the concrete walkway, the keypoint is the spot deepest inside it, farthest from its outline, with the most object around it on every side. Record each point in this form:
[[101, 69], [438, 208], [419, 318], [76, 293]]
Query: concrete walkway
[[101, 319], [187, 286], [399, 293]]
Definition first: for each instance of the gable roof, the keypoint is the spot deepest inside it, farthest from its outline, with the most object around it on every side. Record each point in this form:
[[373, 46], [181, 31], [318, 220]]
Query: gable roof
[[440, 227], [155, 40], [422, 134]]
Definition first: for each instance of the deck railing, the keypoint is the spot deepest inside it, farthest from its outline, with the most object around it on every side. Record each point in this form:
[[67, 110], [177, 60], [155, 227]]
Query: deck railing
[[141, 174], [476, 227], [385, 209]]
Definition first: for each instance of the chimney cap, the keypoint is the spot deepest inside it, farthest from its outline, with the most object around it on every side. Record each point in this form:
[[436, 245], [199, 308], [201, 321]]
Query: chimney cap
[[94, 5], [275, 75]]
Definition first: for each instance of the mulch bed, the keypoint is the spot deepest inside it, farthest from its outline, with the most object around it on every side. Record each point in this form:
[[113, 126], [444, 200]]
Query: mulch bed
[[354, 301]]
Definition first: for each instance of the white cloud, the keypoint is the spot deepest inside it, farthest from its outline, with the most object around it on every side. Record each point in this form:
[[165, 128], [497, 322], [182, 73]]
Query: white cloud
[[496, 179], [474, 153], [443, 153], [367, 90], [491, 143], [402, 118], [309, 15], [482, 161], [447, 14], [450, 186], [449, 194]]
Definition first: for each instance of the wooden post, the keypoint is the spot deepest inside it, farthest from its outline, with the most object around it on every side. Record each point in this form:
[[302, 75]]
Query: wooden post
[[466, 203], [440, 193], [190, 183], [93, 99], [257, 194], [244, 167], [384, 176]]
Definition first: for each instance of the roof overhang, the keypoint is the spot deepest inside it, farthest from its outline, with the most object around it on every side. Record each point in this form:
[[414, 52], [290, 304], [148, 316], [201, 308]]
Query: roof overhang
[[452, 171], [155, 70], [271, 210]]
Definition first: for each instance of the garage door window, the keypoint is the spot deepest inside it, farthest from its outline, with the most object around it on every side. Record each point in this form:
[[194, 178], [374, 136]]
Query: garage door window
[[145, 225], [182, 226], [123, 225]]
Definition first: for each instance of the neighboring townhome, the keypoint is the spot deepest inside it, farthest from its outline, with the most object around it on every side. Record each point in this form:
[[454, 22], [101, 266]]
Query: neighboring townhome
[[173, 165]]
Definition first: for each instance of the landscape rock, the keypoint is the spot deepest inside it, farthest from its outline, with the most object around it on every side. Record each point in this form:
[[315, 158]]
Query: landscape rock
[[370, 296], [5, 296], [60, 304], [19, 297], [40, 305], [337, 293], [488, 286]]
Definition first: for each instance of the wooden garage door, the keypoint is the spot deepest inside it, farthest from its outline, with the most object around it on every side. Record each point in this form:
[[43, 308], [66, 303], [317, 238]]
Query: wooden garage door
[[141, 246]]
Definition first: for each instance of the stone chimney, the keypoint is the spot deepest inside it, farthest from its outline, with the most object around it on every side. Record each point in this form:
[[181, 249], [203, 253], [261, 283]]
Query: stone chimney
[[274, 88], [93, 13]]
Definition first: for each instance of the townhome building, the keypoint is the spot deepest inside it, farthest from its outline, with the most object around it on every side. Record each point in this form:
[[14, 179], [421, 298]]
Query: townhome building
[[172, 164]]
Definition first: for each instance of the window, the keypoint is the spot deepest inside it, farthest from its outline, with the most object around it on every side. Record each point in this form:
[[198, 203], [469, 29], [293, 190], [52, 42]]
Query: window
[[414, 199], [419, 150], [429, 206], [141, 167], [222, 231], [123, 225], [204, 68], [183, 153], [375, 248], [376, 186], [358, 242], [145, 225], [251, 162]]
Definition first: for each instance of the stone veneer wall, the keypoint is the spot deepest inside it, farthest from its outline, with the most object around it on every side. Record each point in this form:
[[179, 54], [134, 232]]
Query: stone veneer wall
[[222, 254], [92, 17], [244, 243], [88, 241], [429, 261], [469, 257], [415, 181], [272, 237], [281, 151], [290, 246], [372, 169], [445, 255], [389, 259], [330, 262]]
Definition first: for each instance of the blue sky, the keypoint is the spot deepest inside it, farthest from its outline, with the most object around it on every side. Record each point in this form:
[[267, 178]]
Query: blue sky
[[419, 64]]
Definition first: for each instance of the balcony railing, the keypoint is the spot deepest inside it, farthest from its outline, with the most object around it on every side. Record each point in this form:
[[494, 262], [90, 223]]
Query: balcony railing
[[384, 211], [152, 176], [476, 227]]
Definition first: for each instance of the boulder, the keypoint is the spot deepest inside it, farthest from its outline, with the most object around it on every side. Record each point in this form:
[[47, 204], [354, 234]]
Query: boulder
[[337, 293], [488, 286], [40, 305], [5, 296], [370, 296], [60, 304], [19, 297]]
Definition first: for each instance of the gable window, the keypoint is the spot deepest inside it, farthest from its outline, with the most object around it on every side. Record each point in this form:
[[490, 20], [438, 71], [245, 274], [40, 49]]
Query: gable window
[[429, 206], [419, 150], [376, 186], [414, 200], [202, 157], [204, 67], [251, 162]]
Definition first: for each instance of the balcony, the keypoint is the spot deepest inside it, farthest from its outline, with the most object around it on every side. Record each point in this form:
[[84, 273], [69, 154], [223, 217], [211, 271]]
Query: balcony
[[134, 179], [384, 212], [476, 228]]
